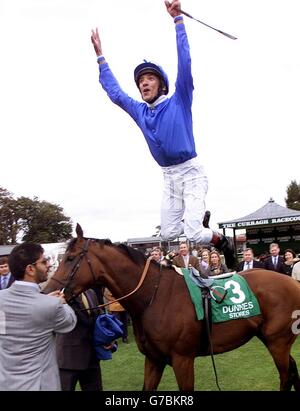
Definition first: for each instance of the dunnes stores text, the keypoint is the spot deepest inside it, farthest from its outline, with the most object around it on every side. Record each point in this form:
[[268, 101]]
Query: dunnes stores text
[[267, 221]]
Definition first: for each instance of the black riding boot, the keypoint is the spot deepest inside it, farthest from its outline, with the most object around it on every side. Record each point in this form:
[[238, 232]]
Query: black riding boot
[[226, 246], [206, 219]]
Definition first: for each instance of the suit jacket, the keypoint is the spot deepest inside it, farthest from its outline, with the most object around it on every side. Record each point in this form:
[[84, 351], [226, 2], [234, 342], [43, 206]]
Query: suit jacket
[[27, 338], [268, 265], [11, 280], [193, 261], [256, 264], [75, 350]]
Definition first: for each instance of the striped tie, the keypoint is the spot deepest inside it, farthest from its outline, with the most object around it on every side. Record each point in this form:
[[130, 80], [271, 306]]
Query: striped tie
[[4, 282]]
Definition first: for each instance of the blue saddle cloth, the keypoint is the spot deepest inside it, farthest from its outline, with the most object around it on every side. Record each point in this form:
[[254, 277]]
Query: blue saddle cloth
[[107, 329]]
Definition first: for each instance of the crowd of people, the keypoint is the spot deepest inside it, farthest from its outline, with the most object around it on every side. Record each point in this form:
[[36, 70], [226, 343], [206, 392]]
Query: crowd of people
[[209, 261]]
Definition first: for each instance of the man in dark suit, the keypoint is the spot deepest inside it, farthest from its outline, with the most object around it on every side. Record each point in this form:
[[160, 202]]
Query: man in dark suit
[[76, 355], [248, 261], [6, 277], [184, 259], [274, 262]]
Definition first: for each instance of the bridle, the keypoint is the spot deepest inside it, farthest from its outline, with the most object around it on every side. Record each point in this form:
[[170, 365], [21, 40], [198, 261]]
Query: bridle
[[83, 254], [76, 266]]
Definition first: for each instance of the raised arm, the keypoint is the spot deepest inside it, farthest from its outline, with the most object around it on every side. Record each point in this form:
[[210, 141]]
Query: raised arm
[[95, 38], [109, 82], [184, 81]]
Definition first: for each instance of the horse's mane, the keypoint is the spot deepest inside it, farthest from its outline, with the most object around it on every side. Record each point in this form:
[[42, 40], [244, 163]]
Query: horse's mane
[[135, 255]]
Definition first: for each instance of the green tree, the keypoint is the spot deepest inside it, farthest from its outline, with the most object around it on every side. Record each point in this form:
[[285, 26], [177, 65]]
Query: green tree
[[31, 220], [9, 226], [293, 195]]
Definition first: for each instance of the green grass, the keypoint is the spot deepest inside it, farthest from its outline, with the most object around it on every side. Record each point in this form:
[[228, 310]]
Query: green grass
[[249, 368]]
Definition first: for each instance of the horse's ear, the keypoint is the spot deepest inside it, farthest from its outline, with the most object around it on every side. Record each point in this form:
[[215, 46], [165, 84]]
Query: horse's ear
[[79, 231]]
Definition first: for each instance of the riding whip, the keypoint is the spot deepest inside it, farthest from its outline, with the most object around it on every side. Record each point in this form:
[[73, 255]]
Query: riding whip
[[207, 25]]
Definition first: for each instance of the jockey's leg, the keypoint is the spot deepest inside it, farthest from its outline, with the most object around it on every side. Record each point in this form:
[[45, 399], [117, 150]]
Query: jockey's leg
[[195, 189], [206, 219], [225, 245], [172, 206]]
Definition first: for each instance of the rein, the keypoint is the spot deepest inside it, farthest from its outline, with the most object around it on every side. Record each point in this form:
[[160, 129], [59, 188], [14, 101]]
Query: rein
[[143, 276]]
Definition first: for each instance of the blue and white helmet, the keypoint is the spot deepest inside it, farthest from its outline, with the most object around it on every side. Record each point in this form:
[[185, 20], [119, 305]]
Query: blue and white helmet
[[148, 67]]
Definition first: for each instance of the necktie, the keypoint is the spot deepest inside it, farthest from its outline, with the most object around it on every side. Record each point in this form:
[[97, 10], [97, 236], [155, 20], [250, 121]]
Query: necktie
[[275, 262], [3, 282]]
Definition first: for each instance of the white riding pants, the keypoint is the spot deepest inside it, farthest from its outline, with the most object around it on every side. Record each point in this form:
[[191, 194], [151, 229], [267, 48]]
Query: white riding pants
[[185, 188]]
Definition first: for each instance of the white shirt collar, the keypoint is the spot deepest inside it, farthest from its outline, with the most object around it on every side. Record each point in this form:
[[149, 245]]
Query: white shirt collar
[[159, 100], [34, 285]]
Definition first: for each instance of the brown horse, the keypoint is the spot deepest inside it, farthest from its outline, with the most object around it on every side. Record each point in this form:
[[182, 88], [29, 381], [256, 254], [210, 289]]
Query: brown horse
[[163, 316]]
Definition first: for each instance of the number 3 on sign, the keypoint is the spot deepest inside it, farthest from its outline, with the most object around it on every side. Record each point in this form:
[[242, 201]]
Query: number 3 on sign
[[236, 289]]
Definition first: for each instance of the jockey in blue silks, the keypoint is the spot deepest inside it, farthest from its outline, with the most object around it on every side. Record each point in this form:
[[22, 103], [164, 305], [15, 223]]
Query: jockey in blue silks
[[166, 123]]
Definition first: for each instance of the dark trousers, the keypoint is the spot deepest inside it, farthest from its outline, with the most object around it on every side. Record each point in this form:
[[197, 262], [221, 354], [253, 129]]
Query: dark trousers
[[89, 379]]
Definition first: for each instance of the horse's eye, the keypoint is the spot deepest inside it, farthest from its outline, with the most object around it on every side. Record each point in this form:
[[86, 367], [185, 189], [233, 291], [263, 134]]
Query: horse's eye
[[70, 257]]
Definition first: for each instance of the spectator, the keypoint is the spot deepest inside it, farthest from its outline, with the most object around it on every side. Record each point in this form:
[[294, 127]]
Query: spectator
[[76, 356], [6, 277], [205, 258], [248, 261], [184, 259], [158, 256], [274, 262], [119, 311], [29, 322], [216, 267], [171, 142], [289, 259]]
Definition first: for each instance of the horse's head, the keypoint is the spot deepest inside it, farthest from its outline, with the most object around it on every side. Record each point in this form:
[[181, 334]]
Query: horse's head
[[79, 269]]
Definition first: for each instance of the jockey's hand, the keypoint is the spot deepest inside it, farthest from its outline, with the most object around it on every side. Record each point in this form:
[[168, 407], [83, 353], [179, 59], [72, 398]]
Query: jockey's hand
[[95, 38], [173, 8]]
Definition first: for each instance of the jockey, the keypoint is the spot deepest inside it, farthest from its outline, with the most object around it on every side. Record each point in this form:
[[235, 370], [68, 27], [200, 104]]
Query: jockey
[[166, 123]]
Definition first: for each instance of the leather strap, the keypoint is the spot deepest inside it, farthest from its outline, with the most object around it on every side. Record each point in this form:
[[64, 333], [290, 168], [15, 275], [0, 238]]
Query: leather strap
[[143, 276]]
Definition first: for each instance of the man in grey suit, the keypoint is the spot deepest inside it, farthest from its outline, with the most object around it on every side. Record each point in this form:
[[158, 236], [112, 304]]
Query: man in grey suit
[[28, 323]]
